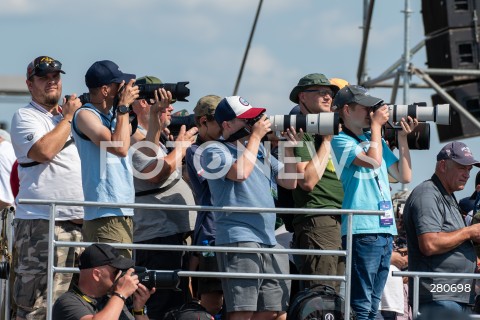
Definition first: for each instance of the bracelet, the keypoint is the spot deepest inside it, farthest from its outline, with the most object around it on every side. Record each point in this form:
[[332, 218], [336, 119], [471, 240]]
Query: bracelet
[[140, 312], [121, 296]]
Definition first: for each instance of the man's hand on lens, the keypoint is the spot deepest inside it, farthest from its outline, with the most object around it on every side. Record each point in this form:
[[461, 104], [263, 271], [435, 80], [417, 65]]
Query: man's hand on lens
[[127, 284], [407, 126], [141, 296], [129, 93]]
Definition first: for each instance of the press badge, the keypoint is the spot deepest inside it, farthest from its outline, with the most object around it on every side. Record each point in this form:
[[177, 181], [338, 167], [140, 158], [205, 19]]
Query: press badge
[[387, 218]]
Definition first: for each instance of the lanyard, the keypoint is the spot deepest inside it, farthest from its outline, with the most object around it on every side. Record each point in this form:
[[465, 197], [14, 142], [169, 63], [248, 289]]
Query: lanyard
[[354, 136]]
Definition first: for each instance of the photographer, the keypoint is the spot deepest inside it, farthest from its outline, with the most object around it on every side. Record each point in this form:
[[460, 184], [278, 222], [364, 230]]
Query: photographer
[[103, 288], [101, 130], [233, 166], [319, 187], [364, 163], [158, 180]]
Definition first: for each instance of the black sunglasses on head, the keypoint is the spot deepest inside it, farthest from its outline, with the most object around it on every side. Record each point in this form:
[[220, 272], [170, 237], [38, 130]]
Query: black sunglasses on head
[[43, 68]]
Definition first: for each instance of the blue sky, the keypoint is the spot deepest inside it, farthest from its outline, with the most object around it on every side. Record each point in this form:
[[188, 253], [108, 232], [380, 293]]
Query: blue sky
[[203, 41]]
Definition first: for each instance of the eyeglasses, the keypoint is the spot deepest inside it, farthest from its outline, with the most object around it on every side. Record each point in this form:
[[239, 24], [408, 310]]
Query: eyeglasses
[[43, 68], [321, 92]]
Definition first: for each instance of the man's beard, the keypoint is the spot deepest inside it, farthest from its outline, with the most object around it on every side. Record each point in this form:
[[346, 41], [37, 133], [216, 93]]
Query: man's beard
[[51, 100]]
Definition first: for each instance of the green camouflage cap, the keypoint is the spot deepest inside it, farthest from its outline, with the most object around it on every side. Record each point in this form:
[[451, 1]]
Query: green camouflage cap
[[150, 80], [312, 79], [206, 105]]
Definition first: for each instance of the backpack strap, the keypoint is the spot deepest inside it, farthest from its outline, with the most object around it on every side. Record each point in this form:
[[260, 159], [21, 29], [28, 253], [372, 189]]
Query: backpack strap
[[36, 163]]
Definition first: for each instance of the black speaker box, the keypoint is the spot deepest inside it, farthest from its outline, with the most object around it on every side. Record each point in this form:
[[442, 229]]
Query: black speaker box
[[439, 15], [467, 95], [453, 49]]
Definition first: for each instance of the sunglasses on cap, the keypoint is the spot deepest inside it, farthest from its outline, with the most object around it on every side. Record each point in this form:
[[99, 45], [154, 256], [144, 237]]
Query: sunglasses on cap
[[43, 68]]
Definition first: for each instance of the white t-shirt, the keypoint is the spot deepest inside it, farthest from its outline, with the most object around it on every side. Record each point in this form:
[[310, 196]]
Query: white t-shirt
[[7, 158], [58, 179], [392, 296]]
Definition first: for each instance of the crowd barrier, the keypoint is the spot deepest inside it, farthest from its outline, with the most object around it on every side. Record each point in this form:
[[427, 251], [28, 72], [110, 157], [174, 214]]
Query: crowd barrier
[[346, 278], [416, 284]]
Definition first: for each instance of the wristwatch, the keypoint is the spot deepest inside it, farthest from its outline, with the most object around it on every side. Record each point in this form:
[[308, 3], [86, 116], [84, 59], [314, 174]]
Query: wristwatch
[[141, 312], [123, 109]]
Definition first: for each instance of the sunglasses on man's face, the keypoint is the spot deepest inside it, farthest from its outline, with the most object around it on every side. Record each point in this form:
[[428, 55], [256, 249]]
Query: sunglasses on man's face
[[321, 92], [43, 68]]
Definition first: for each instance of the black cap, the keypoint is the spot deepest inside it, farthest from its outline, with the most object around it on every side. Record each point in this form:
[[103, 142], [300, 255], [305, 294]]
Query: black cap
[[43, 65], [354, 94], [102, 254]]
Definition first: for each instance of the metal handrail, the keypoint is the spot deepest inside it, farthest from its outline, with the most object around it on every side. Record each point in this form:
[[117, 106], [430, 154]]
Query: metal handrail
[[52, 243], [420, 274]]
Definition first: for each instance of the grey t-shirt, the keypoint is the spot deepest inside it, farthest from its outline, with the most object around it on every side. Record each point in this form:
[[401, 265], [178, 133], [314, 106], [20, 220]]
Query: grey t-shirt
[[149, 224], [429, 208], [74, 305]]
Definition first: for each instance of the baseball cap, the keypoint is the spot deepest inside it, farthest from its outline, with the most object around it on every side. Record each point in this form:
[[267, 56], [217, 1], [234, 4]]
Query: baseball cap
[[206, 105], [354, 94], [458, 152], [105, 72], [102, 254], [340, 83], [312, 79], [233, 107], [150, 80], [43, 65]]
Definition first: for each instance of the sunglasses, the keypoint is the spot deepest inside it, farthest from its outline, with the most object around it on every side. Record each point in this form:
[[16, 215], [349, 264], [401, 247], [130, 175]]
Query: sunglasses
[[43, 68], [321, 92]]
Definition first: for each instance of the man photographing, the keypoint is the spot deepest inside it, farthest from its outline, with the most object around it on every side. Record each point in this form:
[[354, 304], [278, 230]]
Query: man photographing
[[103, 288]]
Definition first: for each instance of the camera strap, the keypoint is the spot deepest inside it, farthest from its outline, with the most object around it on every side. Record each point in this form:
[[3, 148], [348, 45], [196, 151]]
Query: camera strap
[[158, 190], [35, 163]]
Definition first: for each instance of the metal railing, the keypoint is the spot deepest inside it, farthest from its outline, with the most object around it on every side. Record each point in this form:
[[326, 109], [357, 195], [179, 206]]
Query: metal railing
[[416, 284], [346, 278]]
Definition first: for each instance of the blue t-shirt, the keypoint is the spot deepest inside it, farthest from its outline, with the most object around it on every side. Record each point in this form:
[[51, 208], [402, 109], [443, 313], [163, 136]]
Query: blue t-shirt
[[216, 160], [205, 223], [361, 190], [105, 176]]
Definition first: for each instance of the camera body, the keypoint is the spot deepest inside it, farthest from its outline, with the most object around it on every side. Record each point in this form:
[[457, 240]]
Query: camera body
[[157, 279], [84, 98], [177, 122], [179, 90]]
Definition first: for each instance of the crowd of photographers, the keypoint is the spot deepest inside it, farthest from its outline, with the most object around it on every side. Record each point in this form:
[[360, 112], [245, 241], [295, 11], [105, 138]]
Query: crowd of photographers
[[117, 144]]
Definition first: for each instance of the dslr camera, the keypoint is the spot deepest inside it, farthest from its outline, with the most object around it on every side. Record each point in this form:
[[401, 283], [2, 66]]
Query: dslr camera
[[84, 98], [325, 123], [157, 279], [179, 90], [419, 138]]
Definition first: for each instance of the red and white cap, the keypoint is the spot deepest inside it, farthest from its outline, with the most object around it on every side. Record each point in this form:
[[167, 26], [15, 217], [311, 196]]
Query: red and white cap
[[233, 107]]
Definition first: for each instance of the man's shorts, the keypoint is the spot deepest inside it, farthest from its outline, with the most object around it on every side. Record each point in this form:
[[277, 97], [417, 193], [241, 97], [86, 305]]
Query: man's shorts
[[110, 230], [254, 294], [31, 243]]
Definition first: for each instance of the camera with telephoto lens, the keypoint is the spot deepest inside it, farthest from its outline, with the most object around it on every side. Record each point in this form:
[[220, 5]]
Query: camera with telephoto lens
[[4, 269], [325, 123], [179, 90], [164, 279], [419, 138]]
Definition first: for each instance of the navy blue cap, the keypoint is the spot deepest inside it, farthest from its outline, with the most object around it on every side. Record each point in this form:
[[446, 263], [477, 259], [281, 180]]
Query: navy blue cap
[[105, 72], [458, 152]]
